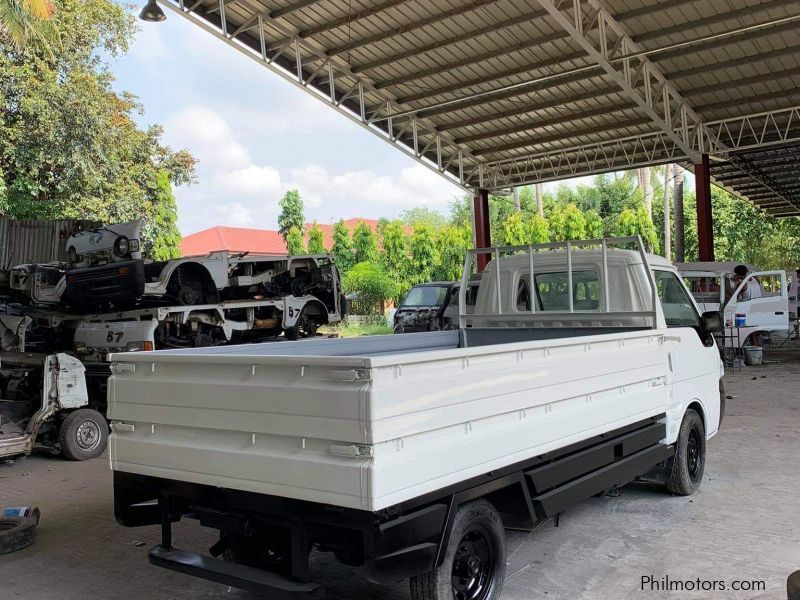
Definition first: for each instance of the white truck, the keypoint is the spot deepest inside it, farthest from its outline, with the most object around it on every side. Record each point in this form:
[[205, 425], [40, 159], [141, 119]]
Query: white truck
[[713, 288], [579, 370], [104, 266], [44, 403]]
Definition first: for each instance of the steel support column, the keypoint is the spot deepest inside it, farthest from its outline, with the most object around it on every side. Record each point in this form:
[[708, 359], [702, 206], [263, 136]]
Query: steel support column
[[480, 225], [705, 230]]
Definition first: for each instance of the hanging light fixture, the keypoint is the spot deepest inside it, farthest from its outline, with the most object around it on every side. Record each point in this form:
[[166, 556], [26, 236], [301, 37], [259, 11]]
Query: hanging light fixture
[[152, 12]]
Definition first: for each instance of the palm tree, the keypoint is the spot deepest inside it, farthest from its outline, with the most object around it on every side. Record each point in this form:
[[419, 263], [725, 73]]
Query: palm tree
[[680, 232], [21, 20]]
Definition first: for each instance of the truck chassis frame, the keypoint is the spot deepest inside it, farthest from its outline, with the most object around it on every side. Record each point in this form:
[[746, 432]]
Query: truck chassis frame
[[397, 542]]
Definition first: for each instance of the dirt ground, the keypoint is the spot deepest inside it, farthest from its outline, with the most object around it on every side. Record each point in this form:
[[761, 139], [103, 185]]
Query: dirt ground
[[744, 525]]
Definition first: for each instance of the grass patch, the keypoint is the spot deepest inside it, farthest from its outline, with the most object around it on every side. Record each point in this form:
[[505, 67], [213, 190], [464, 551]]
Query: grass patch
[[347, 330]]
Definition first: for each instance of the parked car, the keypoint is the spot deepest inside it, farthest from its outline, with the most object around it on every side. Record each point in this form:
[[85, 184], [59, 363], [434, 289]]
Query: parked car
[[409, 455], [433, 306]]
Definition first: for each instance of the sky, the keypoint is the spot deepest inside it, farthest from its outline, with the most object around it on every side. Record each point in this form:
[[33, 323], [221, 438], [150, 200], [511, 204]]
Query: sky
[[256, 136]]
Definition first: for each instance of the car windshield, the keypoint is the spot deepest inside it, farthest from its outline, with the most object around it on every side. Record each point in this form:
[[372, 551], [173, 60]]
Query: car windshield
[[426, 295]]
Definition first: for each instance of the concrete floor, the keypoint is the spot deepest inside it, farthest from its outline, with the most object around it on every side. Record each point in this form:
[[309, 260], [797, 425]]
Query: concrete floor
[[744, 524]]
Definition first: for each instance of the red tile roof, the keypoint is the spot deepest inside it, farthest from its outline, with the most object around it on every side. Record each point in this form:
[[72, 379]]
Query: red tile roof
[[257, 241], [233, 239]]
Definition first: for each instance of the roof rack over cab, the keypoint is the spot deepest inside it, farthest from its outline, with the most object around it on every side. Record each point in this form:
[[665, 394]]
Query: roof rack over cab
[[532, 315]]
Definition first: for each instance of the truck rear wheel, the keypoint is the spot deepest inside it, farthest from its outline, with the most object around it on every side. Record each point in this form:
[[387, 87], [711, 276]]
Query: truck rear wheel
[[83, 434], [474, 563], [688, 464]]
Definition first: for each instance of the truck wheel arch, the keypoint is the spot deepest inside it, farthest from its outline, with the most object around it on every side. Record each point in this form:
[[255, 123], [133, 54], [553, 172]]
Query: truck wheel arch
[[316, 308], [194, 271], [697, 407], [508, 495]]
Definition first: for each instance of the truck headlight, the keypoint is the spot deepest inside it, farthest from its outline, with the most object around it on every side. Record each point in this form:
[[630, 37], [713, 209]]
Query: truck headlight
[[145, 346], [121, 246]]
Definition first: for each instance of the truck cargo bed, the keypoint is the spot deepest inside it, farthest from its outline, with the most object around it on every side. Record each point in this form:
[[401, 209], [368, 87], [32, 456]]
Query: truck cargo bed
[[370, 422]]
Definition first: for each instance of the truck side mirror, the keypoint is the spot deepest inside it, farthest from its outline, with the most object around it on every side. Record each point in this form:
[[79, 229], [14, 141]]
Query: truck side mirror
[[711, 322]]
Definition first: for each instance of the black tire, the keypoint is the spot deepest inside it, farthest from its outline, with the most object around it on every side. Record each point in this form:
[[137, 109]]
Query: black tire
[[689, 462], [83, 434], [793, 586], [16, 533], [474, 563]]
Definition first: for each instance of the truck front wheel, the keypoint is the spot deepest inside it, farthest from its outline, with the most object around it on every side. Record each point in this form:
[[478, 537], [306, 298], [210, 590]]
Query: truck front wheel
[[474, 563], [688, 464], [83, 434]]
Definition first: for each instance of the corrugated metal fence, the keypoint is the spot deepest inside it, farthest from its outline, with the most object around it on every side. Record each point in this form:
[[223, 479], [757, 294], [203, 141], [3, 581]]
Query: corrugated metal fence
[[32, 241]]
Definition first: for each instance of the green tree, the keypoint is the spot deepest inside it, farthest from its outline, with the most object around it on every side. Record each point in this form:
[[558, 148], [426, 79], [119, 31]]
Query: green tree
[[452, 243], [395, 255], [567, 223], [646, 229], [515, 230], [460, 212], [423, 216], [370, 282], [316, 240], [538, 229], [69, 144], [342, 246], [626, 224], [423, 254], [594, 225], [291, 214], [162, 238], [365, 246], [294, 242]]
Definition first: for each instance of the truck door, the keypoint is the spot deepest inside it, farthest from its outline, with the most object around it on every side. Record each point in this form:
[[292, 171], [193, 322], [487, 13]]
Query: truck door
[[764, 298], [693, 366]]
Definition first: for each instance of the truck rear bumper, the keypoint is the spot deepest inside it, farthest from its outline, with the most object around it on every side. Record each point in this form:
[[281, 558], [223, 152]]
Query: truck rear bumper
[[233, 574]]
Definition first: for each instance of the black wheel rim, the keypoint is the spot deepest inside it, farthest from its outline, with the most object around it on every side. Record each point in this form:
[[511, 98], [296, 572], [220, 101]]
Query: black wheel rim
[[473, 566], [694, 459]]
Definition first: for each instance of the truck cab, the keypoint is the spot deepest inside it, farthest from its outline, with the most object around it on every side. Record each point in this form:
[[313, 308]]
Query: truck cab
[[744, 314], [106, 269]]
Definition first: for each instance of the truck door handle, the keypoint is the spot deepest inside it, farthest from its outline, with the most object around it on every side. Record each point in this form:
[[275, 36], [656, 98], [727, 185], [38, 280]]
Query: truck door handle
[[778, 312]]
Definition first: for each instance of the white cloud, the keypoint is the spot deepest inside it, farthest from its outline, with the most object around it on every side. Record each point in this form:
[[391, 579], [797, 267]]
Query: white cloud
[[252, 181], [415, 185], [235, 190], [208, 136]]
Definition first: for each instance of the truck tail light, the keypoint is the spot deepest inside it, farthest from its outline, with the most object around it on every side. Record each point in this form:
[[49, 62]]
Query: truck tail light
[[124, 271]]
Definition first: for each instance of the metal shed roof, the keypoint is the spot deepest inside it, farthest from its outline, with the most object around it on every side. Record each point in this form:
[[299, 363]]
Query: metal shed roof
[[499, 93]]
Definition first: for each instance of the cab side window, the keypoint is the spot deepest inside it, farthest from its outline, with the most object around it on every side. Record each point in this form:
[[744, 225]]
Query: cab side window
[[675, 302]]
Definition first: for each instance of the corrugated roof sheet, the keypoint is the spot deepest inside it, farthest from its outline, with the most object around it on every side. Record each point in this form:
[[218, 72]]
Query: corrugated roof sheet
[[496, 93]]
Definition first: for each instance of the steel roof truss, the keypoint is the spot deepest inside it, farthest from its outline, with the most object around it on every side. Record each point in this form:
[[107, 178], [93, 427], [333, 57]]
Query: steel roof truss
[[754, 131], [604, 40]]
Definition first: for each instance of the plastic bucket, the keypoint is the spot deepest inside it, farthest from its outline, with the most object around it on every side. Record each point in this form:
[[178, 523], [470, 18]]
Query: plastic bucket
[[753, 356]]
